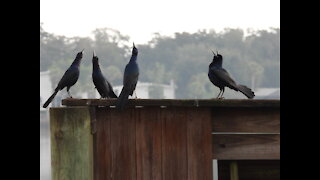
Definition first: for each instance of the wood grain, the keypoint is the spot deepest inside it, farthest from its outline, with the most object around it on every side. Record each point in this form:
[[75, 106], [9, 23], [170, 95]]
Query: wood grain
[[174, 143], [123, 144], [199, 144], [246, 146], [102, 145], [258, 120], [71, 144], [148, 143]]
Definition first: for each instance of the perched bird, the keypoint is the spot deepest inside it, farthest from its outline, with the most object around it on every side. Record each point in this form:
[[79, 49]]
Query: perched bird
[[130, 79], [100, 82], [221, 78], [69, 78]]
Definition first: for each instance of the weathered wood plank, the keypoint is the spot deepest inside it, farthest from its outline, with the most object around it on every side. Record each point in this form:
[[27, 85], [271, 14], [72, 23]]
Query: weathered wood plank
[[261, 120], [251, 169], [174, 143], [246, 146], [102, 145], [148, 143], [71, 144], [199, 144], [177, 102], [123, 144]]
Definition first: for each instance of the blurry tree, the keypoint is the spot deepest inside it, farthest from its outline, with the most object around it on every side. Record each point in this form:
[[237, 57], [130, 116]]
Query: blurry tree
[[110, 45], [113, 74], [200, 88], [52, 48], [157, 74]]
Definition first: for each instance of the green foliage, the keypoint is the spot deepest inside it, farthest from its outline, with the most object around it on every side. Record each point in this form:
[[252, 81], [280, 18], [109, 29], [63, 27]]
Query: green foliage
[[184, 58]]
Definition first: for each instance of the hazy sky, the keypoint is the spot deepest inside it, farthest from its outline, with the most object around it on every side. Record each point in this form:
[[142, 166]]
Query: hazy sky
[[139, 19]]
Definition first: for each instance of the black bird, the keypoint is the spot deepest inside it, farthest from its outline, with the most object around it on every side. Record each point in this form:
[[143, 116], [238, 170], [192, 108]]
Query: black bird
[[221, 78], [130, 79], [69, 78], [100, 82]]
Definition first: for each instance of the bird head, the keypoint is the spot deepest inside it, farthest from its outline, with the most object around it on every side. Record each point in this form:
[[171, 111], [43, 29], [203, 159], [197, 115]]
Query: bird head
[[94, 57], [217, 60], [216, 56], [219, 56], [80, 54], [134, 50]]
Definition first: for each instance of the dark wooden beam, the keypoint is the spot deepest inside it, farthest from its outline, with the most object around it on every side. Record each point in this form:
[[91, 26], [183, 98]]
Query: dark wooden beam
[[246, 146], [251, 120], [176, 102]]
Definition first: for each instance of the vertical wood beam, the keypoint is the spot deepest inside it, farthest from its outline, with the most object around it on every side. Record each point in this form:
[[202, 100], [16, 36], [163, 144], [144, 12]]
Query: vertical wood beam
[[71, 144]]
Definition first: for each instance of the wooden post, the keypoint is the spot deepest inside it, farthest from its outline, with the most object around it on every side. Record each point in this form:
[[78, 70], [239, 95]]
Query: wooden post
[[234, 171], [71, 144]]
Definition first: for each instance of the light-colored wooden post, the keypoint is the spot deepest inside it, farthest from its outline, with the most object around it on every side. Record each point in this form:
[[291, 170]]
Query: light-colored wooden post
[[234, 171], [71, 143]]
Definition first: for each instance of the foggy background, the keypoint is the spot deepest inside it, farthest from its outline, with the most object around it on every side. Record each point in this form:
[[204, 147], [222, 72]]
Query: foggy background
[[174, 39]]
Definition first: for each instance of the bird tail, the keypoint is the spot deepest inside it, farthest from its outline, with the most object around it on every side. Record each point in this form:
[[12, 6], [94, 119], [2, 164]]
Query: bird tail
[[122, 99], [50, 99], [246, 91]]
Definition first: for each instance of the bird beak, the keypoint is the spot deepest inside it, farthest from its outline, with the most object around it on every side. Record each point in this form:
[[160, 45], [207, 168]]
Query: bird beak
[[82, 50], [217, 52], [213, 53], [94, 53], [133, 45]]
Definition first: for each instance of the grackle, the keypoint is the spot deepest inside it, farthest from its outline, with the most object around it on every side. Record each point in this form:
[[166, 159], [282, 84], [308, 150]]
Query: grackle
[[69, 78], [221, 78], [130, 79], [100, 82]]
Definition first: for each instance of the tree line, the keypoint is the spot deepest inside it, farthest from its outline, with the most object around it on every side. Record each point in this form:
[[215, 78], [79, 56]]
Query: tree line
[[253, 60]]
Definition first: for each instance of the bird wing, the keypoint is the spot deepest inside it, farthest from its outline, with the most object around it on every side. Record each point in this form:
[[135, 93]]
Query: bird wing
[[100, 84], [130, 78], [130, 81], [224, 77], [68, 78]]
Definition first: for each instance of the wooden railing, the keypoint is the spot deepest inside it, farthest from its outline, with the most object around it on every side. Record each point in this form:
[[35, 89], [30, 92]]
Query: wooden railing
[[162, 139]]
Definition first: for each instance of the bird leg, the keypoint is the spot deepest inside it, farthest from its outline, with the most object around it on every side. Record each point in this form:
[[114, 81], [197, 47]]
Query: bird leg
[[218, 94], [222, 94], [69, 93]]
